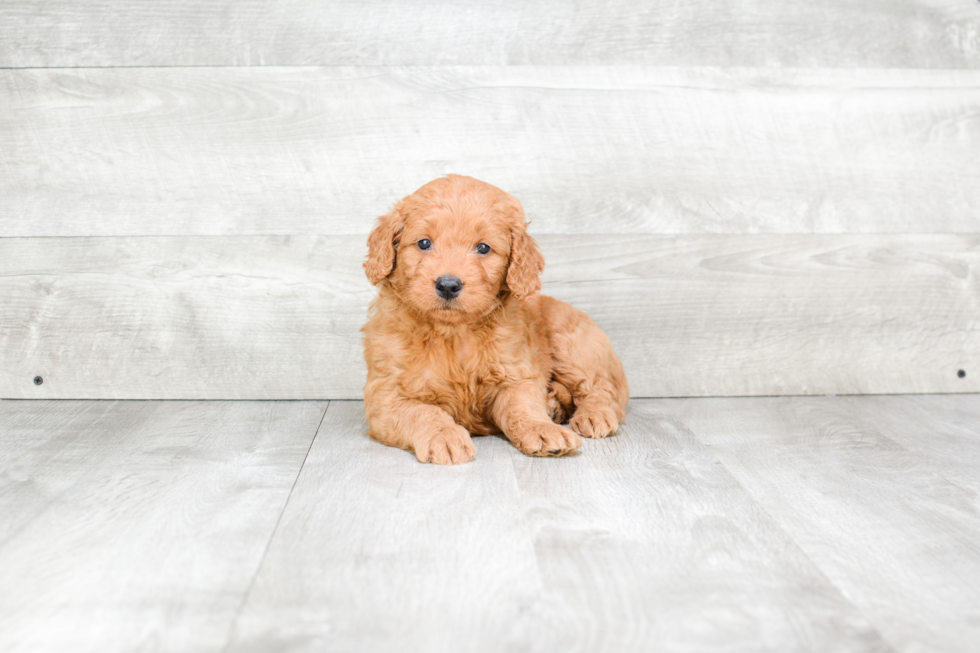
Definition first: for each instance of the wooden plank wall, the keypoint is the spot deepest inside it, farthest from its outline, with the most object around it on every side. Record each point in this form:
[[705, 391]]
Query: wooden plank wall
[[750, 199], [819, 33]]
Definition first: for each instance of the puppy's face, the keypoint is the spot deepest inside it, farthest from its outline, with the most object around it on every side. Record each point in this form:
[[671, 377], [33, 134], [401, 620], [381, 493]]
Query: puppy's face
[[451, 249], [451, 263]]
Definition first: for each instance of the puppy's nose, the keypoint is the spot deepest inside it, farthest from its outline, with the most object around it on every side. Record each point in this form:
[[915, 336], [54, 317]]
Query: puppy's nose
[[448, 287]]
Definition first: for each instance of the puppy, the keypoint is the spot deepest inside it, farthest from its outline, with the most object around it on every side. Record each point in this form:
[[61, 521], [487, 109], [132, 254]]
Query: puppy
[[459, 341]]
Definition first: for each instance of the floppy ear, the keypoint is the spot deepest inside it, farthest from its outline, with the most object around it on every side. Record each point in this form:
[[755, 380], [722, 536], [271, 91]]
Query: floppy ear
[[526, 262], [382, 242]]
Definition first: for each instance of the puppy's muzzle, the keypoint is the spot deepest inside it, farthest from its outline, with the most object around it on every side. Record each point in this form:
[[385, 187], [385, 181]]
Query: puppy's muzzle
[[448, 287]]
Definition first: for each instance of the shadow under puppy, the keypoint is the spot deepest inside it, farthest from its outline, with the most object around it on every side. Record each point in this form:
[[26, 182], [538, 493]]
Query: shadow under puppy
[[459, 341]]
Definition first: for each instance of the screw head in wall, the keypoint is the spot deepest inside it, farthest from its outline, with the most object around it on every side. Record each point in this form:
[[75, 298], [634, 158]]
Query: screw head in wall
[[961, 374], [38, 380]]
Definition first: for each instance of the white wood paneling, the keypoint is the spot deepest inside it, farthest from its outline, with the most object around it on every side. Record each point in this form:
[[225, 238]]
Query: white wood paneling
[[277, 317], [863, 508], [587, 149], [774, 315], [192, 317], [637, 543], [138, 526], [907, 34]]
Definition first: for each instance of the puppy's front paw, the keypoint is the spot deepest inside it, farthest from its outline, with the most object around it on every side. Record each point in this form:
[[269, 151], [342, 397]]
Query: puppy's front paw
[[559, 403], [447, 445], [594, 422], [546, 439], [557, 412]]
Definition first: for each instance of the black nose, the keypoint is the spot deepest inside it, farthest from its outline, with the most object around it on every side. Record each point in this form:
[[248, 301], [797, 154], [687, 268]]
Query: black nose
[[448, 287]]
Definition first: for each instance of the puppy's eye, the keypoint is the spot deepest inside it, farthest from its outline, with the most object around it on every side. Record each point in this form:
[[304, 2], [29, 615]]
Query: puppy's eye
[[425, 243], [483, 248]]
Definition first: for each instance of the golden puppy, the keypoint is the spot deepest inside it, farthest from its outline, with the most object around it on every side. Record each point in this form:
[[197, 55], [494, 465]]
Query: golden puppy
[[458, 341]]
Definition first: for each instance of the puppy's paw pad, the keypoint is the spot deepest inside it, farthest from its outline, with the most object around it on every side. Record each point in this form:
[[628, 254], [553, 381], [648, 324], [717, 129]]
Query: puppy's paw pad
[[594, 422], [547, 439], [447, 446]]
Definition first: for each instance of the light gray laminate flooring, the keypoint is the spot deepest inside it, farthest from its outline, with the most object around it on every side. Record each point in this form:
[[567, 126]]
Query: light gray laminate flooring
[[746, 524]]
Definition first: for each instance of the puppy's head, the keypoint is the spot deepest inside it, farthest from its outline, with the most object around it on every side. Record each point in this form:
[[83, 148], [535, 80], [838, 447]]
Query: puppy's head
[[452, 248]]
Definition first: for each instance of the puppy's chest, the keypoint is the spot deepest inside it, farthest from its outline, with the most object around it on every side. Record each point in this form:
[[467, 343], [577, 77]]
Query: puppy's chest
[[453, 366], [461, 376]]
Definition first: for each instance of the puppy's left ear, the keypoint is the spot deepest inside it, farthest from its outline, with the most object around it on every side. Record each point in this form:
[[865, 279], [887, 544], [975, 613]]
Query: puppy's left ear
[[382, 242], [526, 260]]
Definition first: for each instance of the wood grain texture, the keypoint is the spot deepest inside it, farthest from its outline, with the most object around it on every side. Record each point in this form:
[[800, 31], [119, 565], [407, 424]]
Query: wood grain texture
[[137, 526], [820, 33], [376, 552], [167, 318], [753, 524], [887, 525], [943, 430], [646, 543], [278, 317], [636, 544], [589, 149]]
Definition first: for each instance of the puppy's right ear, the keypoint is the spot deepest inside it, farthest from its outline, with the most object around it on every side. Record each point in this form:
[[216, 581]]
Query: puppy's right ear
[[382, 243]]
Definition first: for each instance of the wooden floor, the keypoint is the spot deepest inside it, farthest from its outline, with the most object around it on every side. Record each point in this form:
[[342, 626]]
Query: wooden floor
[[745, 524]]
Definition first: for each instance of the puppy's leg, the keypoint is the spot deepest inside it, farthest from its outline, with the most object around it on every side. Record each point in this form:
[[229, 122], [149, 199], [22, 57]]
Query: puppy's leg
[[598, 414], [427, 430], [586, 364], [560, 405], [521, 412]]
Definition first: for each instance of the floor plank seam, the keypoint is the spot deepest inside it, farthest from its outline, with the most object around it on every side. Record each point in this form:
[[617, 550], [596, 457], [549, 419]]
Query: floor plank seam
[[272, 536], [936, 465], [776, 526], [12, 535]]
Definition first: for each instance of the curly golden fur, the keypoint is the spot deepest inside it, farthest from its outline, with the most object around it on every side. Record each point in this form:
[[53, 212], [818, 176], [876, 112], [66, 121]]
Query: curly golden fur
[[459, 341]]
